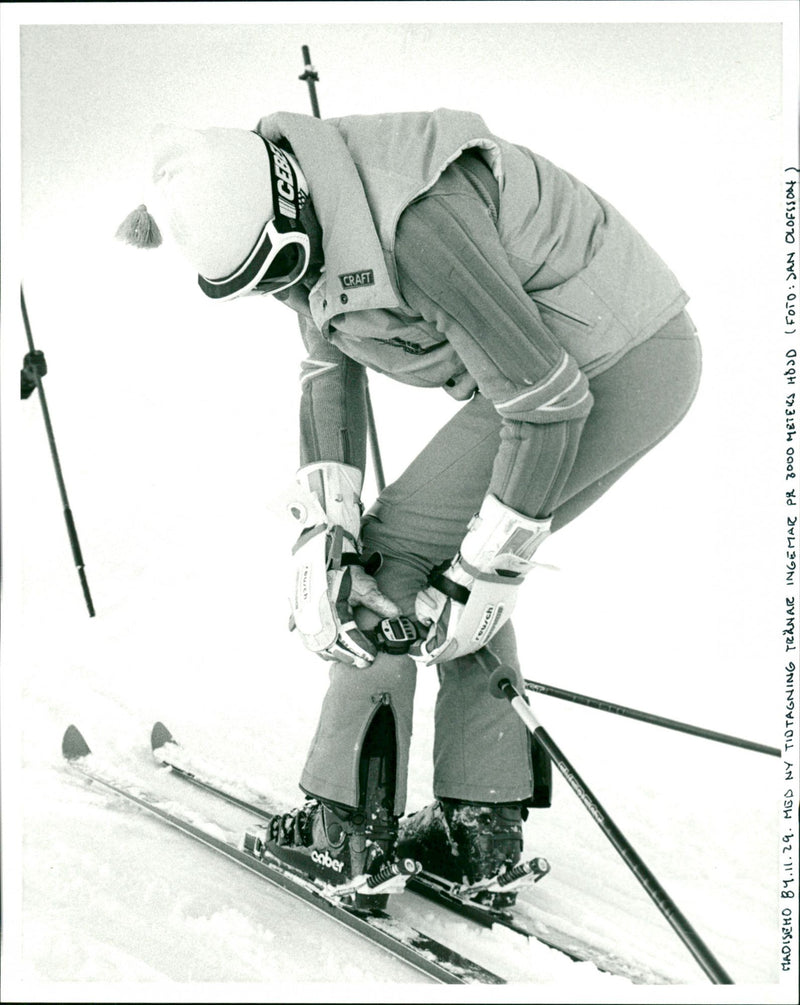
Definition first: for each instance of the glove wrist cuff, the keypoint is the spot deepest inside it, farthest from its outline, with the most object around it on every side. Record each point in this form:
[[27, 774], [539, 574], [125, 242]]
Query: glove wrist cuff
[[337, 489], [501, 539]]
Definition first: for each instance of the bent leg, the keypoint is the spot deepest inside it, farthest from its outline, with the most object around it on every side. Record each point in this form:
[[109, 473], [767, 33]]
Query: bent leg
[[482, 750], [637, 402], [417, 523], [352, 704]]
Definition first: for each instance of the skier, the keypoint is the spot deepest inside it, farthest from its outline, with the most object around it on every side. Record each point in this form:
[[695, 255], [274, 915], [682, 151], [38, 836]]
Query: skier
[[424, 247]]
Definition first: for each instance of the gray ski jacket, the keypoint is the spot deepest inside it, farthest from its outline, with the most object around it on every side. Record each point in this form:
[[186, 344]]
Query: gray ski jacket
[[453, 258]]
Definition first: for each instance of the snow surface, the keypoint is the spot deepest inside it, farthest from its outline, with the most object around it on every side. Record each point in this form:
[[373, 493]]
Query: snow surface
[[175, 422], [111, 895]]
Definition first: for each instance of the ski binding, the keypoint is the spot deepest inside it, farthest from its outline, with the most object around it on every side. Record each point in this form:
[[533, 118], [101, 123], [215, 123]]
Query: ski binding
[[391, 878], [508, 879]]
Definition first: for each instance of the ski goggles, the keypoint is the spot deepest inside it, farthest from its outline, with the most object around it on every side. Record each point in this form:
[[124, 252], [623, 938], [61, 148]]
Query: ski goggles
[[280, 256]]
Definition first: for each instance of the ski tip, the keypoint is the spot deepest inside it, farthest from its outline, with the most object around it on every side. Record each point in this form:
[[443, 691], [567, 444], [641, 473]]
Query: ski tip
[[160, 735], [73, 746]]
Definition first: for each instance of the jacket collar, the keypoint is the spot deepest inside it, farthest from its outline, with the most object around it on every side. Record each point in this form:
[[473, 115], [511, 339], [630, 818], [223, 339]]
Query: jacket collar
[[355, 276]]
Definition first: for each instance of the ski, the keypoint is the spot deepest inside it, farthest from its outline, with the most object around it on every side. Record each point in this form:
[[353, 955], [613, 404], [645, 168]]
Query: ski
[[401, 940], [171, 754]]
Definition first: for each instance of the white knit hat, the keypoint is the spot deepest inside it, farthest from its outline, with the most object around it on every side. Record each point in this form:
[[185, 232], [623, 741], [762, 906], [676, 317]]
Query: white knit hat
[[231, 200], [216, 192]]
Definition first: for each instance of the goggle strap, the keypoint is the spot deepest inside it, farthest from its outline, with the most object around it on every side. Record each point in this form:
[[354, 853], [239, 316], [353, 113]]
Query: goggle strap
[[286, 202]]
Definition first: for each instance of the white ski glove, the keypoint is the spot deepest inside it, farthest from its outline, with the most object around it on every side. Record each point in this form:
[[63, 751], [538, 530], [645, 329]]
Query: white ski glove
[[329, 577], [468, 601]]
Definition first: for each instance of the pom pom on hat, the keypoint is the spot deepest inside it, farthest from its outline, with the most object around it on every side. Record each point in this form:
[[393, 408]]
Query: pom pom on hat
[[139, 229]]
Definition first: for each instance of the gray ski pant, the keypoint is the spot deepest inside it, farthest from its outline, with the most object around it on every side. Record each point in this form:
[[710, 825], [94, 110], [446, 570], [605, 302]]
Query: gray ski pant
[[482, 751]]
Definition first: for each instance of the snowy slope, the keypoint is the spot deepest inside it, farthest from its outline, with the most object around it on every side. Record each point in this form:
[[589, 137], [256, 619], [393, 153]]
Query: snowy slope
[[111, 895], [122, 872]]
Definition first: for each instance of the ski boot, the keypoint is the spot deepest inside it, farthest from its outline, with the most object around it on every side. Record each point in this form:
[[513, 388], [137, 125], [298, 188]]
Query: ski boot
[[465, 843], [353, 856], [350, 849]]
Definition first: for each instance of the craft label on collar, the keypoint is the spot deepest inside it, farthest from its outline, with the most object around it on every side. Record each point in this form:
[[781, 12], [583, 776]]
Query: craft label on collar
[[352, 280]]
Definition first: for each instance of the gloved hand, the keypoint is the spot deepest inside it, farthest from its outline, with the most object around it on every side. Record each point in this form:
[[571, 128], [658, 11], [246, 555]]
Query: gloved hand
[[329, 575], [471, 598]]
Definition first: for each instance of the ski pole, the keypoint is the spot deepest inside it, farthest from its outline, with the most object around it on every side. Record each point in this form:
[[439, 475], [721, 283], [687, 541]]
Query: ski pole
[[310, 76], [501, 686], [656, 720], [71, 531]]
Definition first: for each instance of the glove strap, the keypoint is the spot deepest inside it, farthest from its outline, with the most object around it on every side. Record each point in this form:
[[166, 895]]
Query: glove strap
[[371, 564], [445, 585]]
